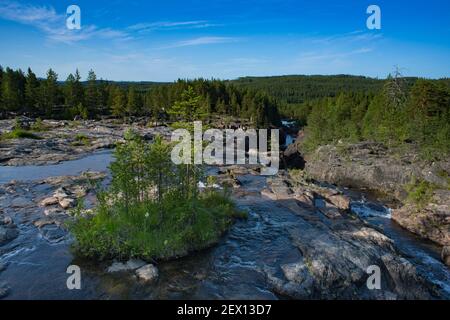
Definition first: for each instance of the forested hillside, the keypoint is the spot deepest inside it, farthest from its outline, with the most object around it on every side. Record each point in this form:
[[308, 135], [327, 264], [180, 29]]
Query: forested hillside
[[296, 93], [399, 114], [300, 88], [22, 93], [396, 110]]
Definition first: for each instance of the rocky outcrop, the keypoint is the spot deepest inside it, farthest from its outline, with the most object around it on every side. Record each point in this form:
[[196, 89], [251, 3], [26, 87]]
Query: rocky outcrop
[[339, 251], [372, 166], [292, 157], [68, 140], [45, 204], [431, 221]]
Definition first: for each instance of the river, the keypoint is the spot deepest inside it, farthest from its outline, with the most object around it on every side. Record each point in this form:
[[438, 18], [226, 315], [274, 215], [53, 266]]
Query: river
[[233, 269]]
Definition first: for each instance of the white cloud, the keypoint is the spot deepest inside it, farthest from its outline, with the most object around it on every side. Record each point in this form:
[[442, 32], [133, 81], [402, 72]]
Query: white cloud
[[350, 37], [170, 25], [53, 24], [202, 41], [314, 56]]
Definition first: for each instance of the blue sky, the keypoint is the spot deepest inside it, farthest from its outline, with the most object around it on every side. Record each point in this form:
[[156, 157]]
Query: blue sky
[[171, 39]]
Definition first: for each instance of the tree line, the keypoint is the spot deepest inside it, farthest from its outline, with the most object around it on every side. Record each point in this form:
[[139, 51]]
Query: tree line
[[27, 94], [297, 93], [399, 114]]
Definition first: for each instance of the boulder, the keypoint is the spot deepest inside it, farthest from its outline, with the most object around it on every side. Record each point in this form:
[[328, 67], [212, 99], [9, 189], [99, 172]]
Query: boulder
[[292, 157], [147, 273], [61, 193], [49, 201], [341, 201], [67, 203]]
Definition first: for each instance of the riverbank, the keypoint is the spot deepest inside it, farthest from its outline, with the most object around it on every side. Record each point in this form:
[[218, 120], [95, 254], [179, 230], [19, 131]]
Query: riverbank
[[421, 188], [68, 140], [301, 240]]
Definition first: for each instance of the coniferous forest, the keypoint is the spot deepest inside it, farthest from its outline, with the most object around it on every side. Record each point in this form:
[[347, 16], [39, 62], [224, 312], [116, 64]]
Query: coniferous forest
[[25, 93], [396, 110]]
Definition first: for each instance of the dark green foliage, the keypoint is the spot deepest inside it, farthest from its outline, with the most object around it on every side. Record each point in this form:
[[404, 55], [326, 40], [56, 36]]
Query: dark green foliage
[[18, 133], [93, 98], [400, 114], [300, 88], [153, 208], [420, 192]]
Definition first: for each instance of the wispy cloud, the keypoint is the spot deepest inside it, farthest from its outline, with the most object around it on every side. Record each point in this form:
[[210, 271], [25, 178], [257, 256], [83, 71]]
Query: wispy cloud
[[315, 56], [52, 24], [170, 25], [202, 41], [350, 37]]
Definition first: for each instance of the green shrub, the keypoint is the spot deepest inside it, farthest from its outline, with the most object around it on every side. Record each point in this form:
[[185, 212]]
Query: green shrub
[[19, 134], [420, 192], [39, 126], [81, 139], [153, 209]]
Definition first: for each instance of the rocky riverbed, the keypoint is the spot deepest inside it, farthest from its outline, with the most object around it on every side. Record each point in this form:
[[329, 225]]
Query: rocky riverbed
[[68, 140], [392, 173], [302, 240]]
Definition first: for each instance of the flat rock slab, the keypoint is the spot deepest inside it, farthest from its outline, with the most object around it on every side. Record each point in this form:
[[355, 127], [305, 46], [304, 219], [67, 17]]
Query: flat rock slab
[[52, 233], [7, 234], [130, 265], [21, 202]]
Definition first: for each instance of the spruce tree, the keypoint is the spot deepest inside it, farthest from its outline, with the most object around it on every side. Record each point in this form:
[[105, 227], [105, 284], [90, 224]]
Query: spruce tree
[[31, 92]]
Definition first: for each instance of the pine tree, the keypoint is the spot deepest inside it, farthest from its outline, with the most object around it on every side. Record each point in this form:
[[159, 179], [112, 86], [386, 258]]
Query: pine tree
[[132, 101], [78, 90], [70, 98], [188, 109], [31, 92], [49, 93], [118, 102], [92, 96], [10, 91]]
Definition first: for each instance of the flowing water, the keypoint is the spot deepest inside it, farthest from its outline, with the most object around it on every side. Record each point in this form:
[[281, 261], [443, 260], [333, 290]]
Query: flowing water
[[233, 269]]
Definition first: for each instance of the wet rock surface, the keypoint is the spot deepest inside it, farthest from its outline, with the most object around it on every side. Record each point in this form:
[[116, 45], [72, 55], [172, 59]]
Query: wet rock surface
[[445, 255], [337, 248], [30, 203], [301, 240], [67, 140], [130, 265], [369, 165], [8, 230]]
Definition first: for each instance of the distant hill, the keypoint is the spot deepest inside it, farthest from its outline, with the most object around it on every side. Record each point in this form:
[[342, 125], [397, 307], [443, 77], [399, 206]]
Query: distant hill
[[294, 89]]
